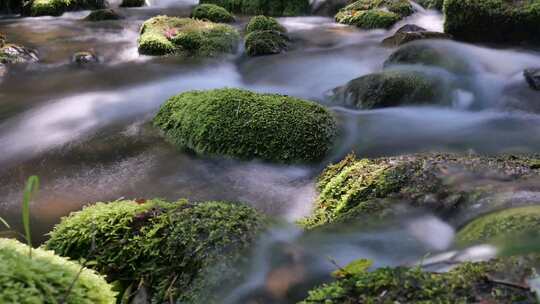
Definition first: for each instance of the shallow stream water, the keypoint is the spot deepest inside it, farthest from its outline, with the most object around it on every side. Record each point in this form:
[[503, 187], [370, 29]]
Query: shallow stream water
[[85, 130]]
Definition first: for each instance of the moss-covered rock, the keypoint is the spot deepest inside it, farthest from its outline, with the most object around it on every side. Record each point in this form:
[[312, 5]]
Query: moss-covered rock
[[102, 15], [58, 7], [500, 21], [132, 3], [177, 251], [247, 125], [392, 88], [431, 4], [264, 7], [265, 36], [164, 35], [47, 278], [409, 33], [500, 224], [372, 14], [11, 54], [354, 188], [467, 283], [426, 53], [213, 13]]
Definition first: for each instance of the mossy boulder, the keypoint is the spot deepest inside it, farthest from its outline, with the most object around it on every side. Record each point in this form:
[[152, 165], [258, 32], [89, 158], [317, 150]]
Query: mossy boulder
[[409, 33], [265, 36], [163, 35], [47, 278], [373, 14], [505, 223], [429, 54], [354, 188], [213, 13], [390, 89], [431, 4], [103, 15], [58, 7], [498, 21], [264, 7], [482, 282], [11, 54], [179, 251], [248, 125], [132, 3]]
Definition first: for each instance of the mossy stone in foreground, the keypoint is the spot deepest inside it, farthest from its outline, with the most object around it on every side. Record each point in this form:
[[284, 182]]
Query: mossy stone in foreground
[[390, 89], [248, 125], [212, 12], [46, 278], [178, 251], [355, 188], [264, 7], [500, 224], [265, 36], [500, 21], [164, 35], [467, 283], [373, 14], [58, 7]]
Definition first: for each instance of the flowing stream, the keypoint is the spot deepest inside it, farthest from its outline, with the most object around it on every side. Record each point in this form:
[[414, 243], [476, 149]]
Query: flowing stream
[[86, 131]]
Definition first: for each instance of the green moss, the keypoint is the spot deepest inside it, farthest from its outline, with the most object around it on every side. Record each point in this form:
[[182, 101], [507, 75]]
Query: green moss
[[264, 7], [47, 278], [372, 14], [132, 3], [212, 12], [172, 249], [501, 21], [425, 53], [247, 125], [392, 88], [355, 188], [58, 7], [431, 4], [263, 23], [103, 14], [467, 283], [501, 224], [164, 35]]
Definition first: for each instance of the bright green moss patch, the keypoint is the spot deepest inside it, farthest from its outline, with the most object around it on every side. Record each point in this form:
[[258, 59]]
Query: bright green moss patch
[[47, 278], [164, 35], [391, 88], [372, 14], [213, 13], [264, 7], [265, 36], [58, 7], [248, 125], [501, 21], [500, 224], [172, 249], [468, 283], [354, 188]]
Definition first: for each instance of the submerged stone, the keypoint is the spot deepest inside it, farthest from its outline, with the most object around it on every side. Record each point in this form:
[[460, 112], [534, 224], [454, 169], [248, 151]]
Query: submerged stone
[[264, 7], [45, 277], [132, 3], [102, 15], [213, 13], [392, 88], [411, 32], [165, 35], [84, 57], [500, 21], [174, 251], [373, 14], [248, 125], [533, 78]]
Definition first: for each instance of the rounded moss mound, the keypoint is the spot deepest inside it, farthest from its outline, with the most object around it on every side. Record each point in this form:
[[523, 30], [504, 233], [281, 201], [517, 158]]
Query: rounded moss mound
[[354, 188], [164, 35], [390, 89], [467, 283], [499, 21], [132, 3], [103, 14], [430, 54], [264, 7], [47, 278], [179, 251], [505, 223], [248, 125], [58, 7], [212, 12], [264, 23], [372, 14]]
